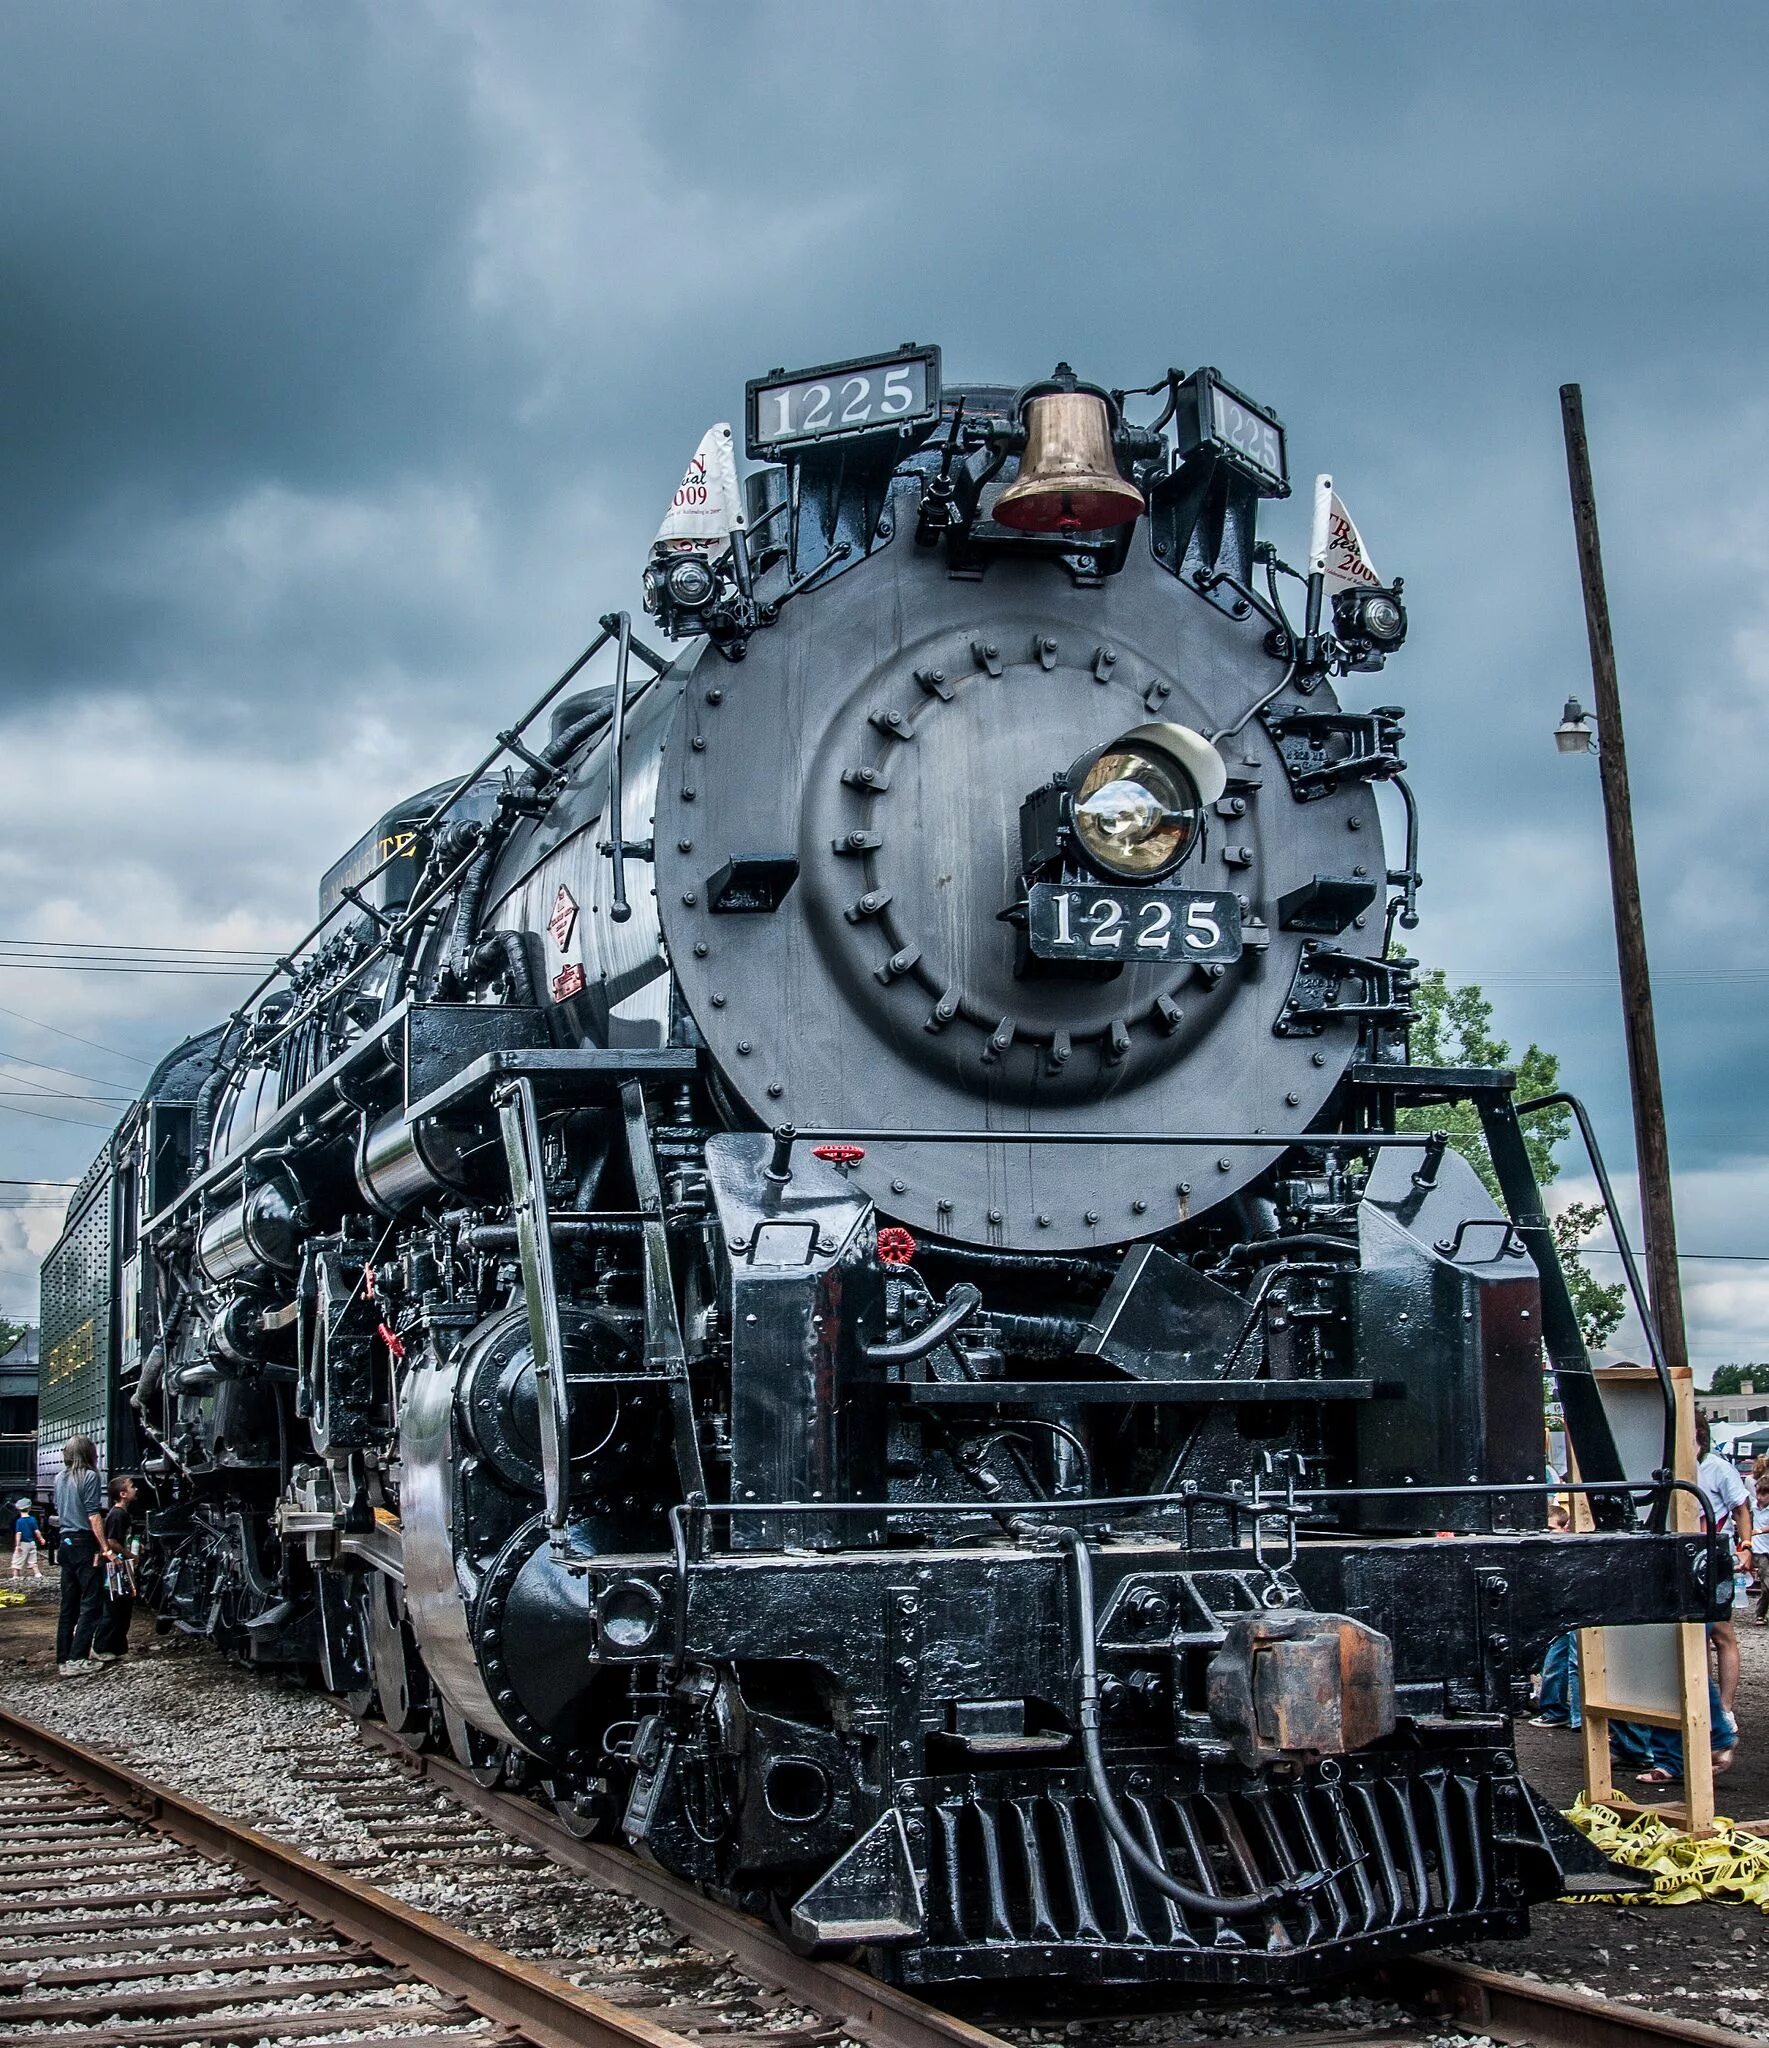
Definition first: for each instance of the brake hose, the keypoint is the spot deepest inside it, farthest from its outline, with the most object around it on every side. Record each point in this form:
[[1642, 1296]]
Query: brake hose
[[963, 1302], [1136, 1854]]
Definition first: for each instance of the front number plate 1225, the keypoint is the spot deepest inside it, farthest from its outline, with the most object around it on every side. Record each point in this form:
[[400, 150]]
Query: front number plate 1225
[[1093, 921]]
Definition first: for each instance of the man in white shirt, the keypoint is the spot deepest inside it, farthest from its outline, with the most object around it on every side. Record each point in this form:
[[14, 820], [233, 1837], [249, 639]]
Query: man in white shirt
[[1729, 1500]]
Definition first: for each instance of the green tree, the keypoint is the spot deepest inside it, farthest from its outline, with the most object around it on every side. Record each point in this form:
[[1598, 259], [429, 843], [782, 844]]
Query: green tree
[[10, 1333], [1730, 1379], [1455, 1029]]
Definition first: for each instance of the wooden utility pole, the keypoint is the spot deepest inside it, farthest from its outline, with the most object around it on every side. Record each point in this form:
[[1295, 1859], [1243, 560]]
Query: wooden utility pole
[[1651, 1146]]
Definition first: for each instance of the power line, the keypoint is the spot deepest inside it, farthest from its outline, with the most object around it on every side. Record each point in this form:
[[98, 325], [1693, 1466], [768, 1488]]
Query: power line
[[1603, 1251], [60, 1095], [1673, 977], [84, 967], [56, 1031], [7, 1181], [118, 946], [108, 1090], [38, 1087], [44, 1116], [17, 1059]]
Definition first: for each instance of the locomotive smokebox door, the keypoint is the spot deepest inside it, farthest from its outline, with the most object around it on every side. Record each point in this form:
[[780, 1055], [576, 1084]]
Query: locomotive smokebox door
[[885, 734]]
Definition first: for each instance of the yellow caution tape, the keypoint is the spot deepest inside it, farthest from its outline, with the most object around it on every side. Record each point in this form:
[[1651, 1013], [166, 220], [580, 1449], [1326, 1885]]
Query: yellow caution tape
[[1730, 1865]]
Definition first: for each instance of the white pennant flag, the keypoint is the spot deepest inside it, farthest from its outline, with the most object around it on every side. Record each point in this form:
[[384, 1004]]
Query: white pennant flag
[[708, 505], [1336, 548]]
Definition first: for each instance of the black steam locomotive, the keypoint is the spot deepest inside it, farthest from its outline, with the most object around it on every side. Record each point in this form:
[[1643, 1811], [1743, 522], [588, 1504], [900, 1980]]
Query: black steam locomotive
[[832, 1257]]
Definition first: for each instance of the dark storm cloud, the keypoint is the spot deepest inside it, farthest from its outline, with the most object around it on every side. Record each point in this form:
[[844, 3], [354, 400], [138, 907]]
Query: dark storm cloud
[[350, 352], [234, 241]]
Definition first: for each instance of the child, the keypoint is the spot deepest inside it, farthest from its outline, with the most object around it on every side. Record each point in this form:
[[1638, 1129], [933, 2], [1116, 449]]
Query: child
[[1760, 1542], [27, 1540], [112, 1638]]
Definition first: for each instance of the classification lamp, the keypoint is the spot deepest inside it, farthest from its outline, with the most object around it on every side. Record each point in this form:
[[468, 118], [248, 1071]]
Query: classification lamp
[[1370, 622]]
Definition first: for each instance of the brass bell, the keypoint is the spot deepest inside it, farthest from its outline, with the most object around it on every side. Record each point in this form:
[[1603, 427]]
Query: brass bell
[[1069, 481]]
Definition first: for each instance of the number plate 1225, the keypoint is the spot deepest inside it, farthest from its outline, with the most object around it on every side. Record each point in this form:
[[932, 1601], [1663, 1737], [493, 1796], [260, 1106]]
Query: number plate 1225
[[1088, 921]]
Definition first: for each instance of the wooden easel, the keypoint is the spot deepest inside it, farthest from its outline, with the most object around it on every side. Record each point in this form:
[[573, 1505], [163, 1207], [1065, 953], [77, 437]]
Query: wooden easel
[[1664, 1664]]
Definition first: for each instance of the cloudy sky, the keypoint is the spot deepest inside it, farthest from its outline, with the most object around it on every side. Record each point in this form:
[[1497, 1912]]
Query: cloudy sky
[[348, 354]]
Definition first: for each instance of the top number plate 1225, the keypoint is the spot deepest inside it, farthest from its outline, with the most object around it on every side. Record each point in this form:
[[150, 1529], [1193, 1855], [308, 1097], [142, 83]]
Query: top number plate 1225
[[842, 401], [1089, 921]]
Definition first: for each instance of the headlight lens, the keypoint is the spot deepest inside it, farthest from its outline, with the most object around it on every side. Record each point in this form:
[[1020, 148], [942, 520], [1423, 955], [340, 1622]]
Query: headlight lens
[[1136, 813], [691, 582], [1382, 618]]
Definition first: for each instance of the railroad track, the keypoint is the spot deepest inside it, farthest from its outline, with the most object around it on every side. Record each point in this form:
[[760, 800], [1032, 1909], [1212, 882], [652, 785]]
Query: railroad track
[[138, 1915], [151, 1918]]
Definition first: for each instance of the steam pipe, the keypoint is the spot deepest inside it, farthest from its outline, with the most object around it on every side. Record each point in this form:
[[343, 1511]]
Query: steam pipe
[[1033, 1336], [1077, 1272], [466, 914], [507, 947], [202, 1116], [1261, 1250]]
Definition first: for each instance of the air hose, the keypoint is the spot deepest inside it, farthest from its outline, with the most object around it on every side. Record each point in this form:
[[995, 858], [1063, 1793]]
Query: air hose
[[963, 1301], [1213, 1904]]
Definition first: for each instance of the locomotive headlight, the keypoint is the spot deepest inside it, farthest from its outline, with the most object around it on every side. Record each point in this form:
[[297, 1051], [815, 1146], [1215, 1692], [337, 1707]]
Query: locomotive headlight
[[1135, 814], [690, 582], [1137, 805]]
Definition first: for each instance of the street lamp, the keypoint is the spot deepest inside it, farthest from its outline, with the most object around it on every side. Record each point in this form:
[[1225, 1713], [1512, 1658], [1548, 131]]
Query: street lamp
[[1573, 735]]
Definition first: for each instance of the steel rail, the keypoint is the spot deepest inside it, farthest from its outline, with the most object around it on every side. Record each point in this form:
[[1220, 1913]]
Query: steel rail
[[549, 2011], [1508, 2008], [1519, 2009], [879, 2013], [556, 2014]]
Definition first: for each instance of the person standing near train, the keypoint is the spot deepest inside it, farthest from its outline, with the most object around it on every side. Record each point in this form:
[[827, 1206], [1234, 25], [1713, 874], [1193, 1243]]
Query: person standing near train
[[27, 1540], [112, 1638], [1730, 1504], [81, 1550]]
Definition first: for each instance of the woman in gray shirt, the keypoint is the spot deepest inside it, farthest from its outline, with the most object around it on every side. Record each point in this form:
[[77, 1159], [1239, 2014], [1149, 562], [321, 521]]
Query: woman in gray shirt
[[80, 1551]]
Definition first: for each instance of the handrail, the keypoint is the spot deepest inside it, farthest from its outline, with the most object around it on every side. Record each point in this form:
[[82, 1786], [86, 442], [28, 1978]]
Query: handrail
[[1560, 1099], [507, 742], [786, 1136], [619, 908], [1292, 1503]]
